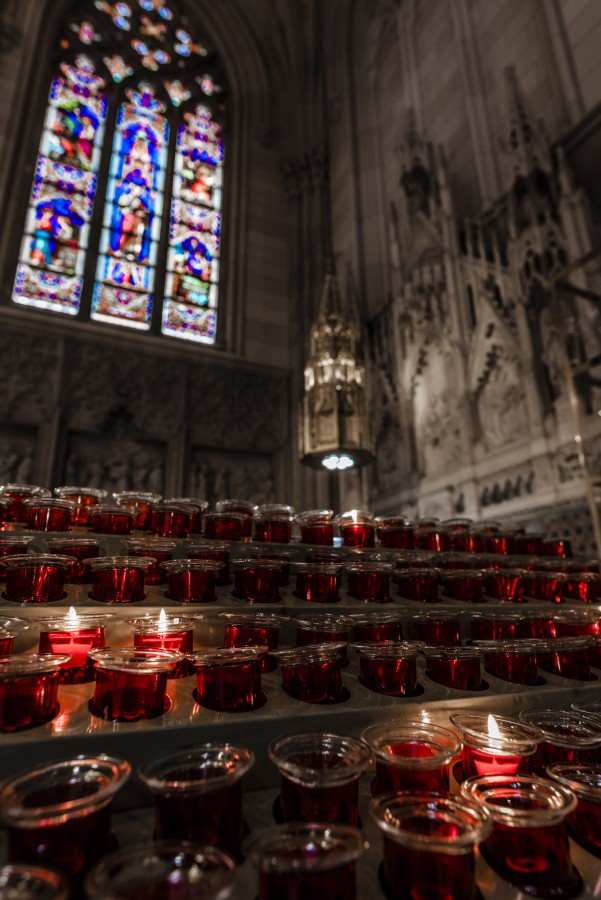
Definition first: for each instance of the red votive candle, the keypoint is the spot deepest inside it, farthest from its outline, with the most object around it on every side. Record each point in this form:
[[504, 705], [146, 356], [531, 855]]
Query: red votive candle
[[429, 844], [585, 586], [170, 520], [81, 549], [395, 532], [48, 514], [584, 822], [371, 627], [252, 629], [466, 585], [389, 667], [325, 629], [12, 545], [532, 626], [106, 519], [160, 550], [513, 661], [273, 523], [411, 756], [83, 498], [528, 544], [198, 794], [226, 526], [369, 582], [217, 551], [357, 528], [17, 494], [298, 860], [528, 844], [436, 629], [257, 581], [437, 539], [561, 547], [32, 883], [166, 633], [29, 690], [577, 623], [495, 745], [316, 527], [543, 586], [196, 507], [131, 684], [139, 503], [492, 626], [36, 578], [192, 580], [317, 582], [119, 579], [7, 640], [59, 814], [418, 584], [504, 585], [568, 737], [273, 554], [74, 635], [312, 674], [319, 777], [243, 508], [567, 657], [229, 679], [454, 667]]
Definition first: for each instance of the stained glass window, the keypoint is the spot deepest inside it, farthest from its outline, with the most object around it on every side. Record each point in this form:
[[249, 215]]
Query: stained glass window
[[125, 228]]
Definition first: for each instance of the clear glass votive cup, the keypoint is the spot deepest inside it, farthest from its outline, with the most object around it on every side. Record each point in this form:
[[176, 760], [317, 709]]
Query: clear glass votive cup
[[12, 545], [216, 551], [178, 870], [492, 626], [533, 626], [418, 584], [83, 497], [166, 633], [158, 549], [466, 585], [567, 657], [436, 629], [119, 579], [111, 519], [243, 508], [131, 684], [528, 844], [36, 578], [273, 554], [299, 859], [81, 549], [357, 528], [73, 635], [171, 520], [577, 623], [584, 781], [257, 580], [29, 690], [192, 580], [197, 507], [411, 756], [318, 582], [369, 582], [567, 737], [272, 529], [198, 794], [252, 629], [429, 844], [59, 814], [377, 626], [389, 667], [324, 629], [139, 503], [316, 526], [495, 745], [395, 533], [48, 514], [27, 882], [454, 667], [17, 494], [312, 673], [226, 526], [513, 661], [228, 679]]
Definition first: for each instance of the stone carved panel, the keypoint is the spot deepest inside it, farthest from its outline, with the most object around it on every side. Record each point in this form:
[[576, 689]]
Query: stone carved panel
[[17, 455], [216, 476], [29, 374], [116, 462]]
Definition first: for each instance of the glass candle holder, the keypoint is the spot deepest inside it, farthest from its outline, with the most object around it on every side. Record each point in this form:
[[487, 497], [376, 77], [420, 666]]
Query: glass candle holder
[[369, 582], [217, 551], [273, 554], [413, 559], [389, 667], [119, 579], [528, 544], [158, 549], [83, 498], [505, 585], [411, 756], [17, 494], [26, 882], [257, 581], [437, 539], [312, 673], [454, 667], [357, 528], [252, 629], [192, 580], [131, 684], [429, 844], [198, 794], [48, 514], [418, 584], [584, 586], [7, 640], [174, 869], [37, 578], [495, 745], [12, 545], [577, 623], [395, 533], [466, 585], [243, 508], [567, 737], [197, 507], [74, 635], [533, 626], [491, 626], [316, 526], [566, 657], [274, 529], [317, 582], [226, 526], [81, 550], [29, 690], [561, 547], [528, 844], [436, 629], [584, 822], [323, 629], [370, 627], [139, 503], [106, 519], [513, 661], [59, 814], [543, 586], [306, 860], [166, 633], [319, 777], [229, 679], [171, 520]]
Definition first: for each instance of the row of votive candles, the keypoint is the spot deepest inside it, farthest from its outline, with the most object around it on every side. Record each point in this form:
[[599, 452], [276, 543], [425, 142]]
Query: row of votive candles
[[131, 683], [522, 783], [236, 520], [259, 576]]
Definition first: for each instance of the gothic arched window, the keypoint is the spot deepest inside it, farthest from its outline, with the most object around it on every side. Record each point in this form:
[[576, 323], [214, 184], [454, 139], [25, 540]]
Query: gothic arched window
[[124, 218]]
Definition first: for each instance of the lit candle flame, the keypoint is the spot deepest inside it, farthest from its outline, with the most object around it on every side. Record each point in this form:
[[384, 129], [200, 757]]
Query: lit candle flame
[[493, 728], [162, 621], [72, 617]]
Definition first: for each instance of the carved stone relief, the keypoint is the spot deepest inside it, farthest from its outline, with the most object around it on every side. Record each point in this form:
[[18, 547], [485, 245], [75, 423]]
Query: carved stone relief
[[217, 476], [29, 374], [17, 455]]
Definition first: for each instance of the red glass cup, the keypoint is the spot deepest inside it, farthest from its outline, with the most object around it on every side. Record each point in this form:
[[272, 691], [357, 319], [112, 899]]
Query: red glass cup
[[492, 626], [32, 883], [317, 582], [171, 520], [589, 708], [139, 503], [12, 545], [226, 526], [36, 578], [158, 549], [48, 514], [369, 582], [505, 585], [568, 737], [192, 580], [528, 544], [217, 551], [257, 581], [106, 519], [81, 549], [543, 586], [17, 494], [495, 542], [454, 667], [166, 633], [533, 626], [29, 690], [411, 756], [436, 629], [300, 860], [312, 673], [198, 794], [316, 527], [131, 684], [389, 667], [229, 679], [273, 554], [273, 529], [319, 777], [252, 629], [83, 497], [74, 635], [59, 814], [7, 640], [466, 585], [357, 528], [418, 584], [371, 627], [561, 547], [458, 524], [513, 661], [396, 535], [577, 623], [566, 657], [325, 629], [177, 870], [243, 508], [197, 507], [528, 844], [119, 579], [429, 844], [584, 822], [437, 539], [495, 745], [584, 586]]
